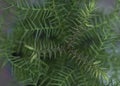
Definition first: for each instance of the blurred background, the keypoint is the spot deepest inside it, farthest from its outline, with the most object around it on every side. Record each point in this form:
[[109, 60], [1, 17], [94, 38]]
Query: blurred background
[[6, 79]]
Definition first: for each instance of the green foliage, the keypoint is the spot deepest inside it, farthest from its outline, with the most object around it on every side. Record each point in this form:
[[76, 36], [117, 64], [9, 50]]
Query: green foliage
[[61, 43]]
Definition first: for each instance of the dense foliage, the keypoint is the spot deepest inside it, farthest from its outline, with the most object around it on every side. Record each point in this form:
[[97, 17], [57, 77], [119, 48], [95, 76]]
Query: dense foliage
[[62, 43]]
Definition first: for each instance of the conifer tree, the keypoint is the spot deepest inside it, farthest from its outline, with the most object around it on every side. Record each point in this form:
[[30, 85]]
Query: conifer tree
[[62, 43]]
